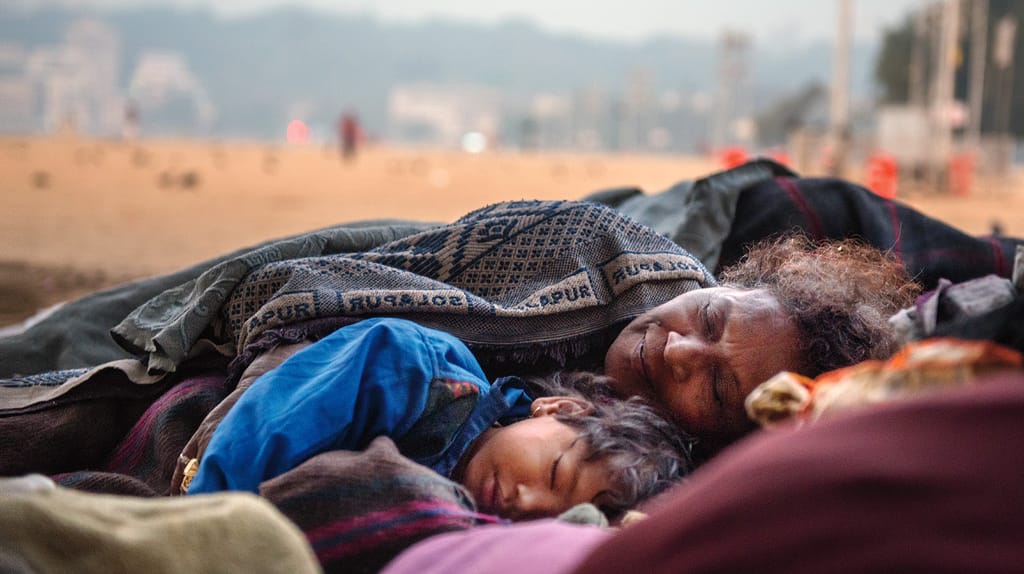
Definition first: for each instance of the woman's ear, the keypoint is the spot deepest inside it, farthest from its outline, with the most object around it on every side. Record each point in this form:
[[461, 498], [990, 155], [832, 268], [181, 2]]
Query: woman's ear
[[545, 406]]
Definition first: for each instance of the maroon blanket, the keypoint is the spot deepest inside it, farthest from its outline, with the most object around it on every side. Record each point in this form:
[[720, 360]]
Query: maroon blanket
[[928, 485]]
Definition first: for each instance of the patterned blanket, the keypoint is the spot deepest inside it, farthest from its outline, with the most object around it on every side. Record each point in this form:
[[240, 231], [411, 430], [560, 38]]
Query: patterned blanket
[[533, 277], [524, 280]]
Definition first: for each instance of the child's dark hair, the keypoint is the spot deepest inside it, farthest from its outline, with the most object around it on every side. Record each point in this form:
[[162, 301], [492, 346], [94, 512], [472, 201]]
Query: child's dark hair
[[646, 450]]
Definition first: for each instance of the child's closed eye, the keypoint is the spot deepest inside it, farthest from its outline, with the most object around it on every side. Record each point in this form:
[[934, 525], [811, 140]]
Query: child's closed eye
[[554, 470]]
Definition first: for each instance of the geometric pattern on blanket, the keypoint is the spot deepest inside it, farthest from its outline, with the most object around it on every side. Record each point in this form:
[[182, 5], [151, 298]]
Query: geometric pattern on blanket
[[50, 379], [553, 269]]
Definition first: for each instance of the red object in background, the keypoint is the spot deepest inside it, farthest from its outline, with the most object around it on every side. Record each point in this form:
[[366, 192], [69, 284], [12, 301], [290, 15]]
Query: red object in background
[[883, 175], [961, 174], [731, 157], [350, 134], [298, 132], [780, 156]]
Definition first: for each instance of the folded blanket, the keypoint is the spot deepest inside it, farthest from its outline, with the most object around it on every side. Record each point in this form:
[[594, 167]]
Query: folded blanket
[[60, 530]]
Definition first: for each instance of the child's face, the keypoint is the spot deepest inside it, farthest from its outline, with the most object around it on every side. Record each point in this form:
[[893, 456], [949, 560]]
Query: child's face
[[533, 469]]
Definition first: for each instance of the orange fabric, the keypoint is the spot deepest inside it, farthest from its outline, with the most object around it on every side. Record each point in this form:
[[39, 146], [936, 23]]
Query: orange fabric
[[919, 367]]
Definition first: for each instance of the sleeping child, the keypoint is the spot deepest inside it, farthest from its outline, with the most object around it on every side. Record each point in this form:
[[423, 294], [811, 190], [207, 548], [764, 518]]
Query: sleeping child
[[520, 457]]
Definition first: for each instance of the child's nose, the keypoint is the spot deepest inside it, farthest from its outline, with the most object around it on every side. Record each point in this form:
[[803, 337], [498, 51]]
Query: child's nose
[[534, 502]]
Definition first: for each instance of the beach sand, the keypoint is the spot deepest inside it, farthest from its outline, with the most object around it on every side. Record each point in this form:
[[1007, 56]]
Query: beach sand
[[83, 214]]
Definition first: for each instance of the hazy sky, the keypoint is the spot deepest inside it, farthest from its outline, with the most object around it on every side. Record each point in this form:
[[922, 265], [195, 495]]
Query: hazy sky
[[624, 20]]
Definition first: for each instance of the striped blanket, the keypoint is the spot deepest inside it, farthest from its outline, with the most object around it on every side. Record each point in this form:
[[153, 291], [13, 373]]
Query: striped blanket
[[357, 510]]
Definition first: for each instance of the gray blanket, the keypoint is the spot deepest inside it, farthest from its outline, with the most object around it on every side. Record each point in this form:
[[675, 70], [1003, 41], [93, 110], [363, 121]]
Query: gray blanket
[[77, 335]]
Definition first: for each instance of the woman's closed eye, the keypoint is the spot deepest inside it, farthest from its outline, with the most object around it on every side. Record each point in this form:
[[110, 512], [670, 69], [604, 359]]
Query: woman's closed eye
[[708, 322], [709, 332]]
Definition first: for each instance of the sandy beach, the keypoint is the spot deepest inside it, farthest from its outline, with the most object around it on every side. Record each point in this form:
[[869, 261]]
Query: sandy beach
[[83, 214]]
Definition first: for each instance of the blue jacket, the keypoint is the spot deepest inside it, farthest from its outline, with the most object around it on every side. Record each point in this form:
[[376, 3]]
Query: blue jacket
[[421, 387]]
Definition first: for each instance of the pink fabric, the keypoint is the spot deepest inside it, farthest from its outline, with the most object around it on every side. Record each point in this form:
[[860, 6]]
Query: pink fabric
[[538, 547]]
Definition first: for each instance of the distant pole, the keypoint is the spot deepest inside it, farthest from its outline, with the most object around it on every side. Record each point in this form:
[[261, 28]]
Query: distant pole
[[918, 47], [944, 86], [1002, 55], [979, 53], [840, 100], [732, 73]]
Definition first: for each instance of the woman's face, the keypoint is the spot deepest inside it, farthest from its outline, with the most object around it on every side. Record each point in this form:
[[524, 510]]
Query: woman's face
[[701, 353]]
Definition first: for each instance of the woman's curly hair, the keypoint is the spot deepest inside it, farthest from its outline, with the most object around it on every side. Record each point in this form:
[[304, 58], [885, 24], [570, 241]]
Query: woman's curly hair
[[840, 293], [646, 451]]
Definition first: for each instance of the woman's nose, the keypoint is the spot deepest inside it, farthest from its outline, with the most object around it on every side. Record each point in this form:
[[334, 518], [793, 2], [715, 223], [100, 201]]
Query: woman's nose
[[684, 354]]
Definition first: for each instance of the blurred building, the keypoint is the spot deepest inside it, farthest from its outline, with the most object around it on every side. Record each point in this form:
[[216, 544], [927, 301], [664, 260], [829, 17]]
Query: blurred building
[[73, 85], [17, 95], [552, 117], [637, 117], [169, 95], [591, 129], [78, 80], [682, 123], [732, 117], [76, 85], [442, 115], [100, 48]]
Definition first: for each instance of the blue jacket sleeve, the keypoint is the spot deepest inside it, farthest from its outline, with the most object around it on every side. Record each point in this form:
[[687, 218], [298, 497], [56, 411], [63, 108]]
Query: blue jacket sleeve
[[362, 381]]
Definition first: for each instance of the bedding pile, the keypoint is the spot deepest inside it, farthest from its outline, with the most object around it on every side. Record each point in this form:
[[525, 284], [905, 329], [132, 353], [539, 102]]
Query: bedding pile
[[527, 285]]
